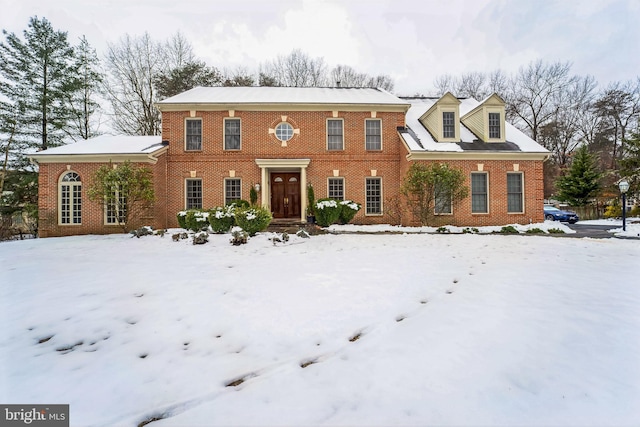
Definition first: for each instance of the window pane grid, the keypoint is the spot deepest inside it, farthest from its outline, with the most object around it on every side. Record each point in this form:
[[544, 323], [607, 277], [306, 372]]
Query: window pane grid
[[232, 190], [334, 135], [336, 188], [232, 134], [479, 193], [194, 135], [442, 201], [494, 125], [284, 132], [448, 128], [373, 139], [373, 196], [194, 194], [71, 199], [514, 193]]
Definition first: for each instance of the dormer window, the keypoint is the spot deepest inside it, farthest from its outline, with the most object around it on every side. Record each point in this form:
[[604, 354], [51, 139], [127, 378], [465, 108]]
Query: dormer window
[[448, 124], [494, 125]]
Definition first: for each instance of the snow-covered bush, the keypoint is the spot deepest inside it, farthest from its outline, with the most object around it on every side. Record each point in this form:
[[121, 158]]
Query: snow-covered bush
[[327, 212], [200, 238], [197, 220], [182, 219], [238, 236], [348, 209], [222, 218], [253, 219]]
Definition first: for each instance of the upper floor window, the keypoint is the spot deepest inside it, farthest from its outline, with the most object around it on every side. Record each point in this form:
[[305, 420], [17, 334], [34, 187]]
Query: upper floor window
[[336, 188], [284, 132], [335, 137], [373, 134], [193, 137], [494, 125], [193, 194], [448, 124], [70, 199], [231, 134]]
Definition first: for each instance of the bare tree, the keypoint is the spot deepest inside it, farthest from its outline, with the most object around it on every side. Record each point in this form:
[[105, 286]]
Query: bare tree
[[296, 69], [445, 83], [472, 85], [346, 76], [238, 77]]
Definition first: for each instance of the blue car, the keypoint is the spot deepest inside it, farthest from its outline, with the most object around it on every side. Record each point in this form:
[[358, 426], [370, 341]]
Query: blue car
[[554, 214]]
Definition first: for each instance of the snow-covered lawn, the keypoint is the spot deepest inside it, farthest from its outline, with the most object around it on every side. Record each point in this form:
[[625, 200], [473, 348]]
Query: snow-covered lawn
[[351, 329]]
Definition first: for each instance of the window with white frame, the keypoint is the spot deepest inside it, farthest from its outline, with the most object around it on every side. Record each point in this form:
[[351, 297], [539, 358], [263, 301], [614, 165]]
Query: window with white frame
[[193, 194], [373, 196], [232, 190], [335, 134], [515, 200], [336, 188], [231, 134], [70, 199], [373, 134], [494, 125], [448, 124], [479, 193], [442, 200], [284, 132], [116, 207], [193, 134]]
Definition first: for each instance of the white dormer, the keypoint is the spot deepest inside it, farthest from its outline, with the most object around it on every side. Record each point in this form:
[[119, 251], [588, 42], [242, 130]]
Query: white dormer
[[486, 121], [442, 120]]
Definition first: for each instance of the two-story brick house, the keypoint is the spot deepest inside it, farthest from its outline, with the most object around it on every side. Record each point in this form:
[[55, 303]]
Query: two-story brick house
[[348, 143]]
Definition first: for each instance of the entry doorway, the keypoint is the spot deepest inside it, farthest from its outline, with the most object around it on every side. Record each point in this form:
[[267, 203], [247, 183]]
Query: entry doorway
[[285, 194]]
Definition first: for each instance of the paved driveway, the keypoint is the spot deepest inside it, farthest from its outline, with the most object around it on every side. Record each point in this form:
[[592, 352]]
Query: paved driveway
[[589, 230]]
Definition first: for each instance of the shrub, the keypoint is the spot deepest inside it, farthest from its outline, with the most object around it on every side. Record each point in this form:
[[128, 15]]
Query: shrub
[[327, 212], [253, 195], [311, 200], [442, 230], [555, 231], [222, 218], [348, 210], [613, 211], [182, 219], [200, 238], [240, 203], [468, 230], [197, 220], [238, 236], [509, 229], [535, 231], [635, 211], [253, 219]]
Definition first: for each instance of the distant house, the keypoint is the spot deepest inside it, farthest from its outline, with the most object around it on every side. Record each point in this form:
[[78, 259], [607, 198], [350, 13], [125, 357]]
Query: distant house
[[349, 143]]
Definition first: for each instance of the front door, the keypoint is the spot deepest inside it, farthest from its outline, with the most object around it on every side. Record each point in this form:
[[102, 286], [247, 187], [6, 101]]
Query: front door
[[285, 195]]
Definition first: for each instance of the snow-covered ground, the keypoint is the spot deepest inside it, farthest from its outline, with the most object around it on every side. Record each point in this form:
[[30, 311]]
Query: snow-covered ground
[[348, 329]]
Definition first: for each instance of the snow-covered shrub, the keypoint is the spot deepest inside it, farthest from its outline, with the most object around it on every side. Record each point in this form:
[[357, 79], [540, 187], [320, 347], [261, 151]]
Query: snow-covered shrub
[[197, 220], [240, 203], [238, 236], [200, 238], [142, 231], [182, 219], [348, 209], [253, 219], [327, 212], [222, 218], [509, 229]]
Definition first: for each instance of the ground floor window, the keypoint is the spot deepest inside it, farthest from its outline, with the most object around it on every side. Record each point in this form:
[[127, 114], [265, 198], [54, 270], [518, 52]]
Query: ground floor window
[[336, 188], [193, 194], [70, 191], [515, 203], [479, 193], [232, 190], [373, 190], [442, 199], [116, 208]]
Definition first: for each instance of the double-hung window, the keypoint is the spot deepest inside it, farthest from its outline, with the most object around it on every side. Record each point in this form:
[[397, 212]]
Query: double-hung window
[[515, 202], [232, 190], [373, 134], [442, 199], [494, 125], [479, 193], [336, 188], [116, 206], [231, 134], [193, 137], [193, 194], [373, 196], [335, 134], [448, 125]]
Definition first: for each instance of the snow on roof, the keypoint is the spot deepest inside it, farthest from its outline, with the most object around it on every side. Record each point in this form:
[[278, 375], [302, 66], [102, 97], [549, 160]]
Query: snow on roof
[[425, 142], [284, 95], [108, 144]]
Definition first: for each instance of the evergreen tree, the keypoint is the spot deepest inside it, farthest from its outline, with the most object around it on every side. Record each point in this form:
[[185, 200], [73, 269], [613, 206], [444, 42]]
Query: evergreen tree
[[630, 164], [581, 182], [185, 77]]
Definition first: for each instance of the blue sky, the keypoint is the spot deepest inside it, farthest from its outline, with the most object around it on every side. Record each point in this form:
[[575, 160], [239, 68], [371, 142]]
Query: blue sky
[[413, 41]]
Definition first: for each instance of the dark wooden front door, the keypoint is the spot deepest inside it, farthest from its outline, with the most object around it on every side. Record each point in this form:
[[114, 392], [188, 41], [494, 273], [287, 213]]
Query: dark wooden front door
[[285, 195]]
